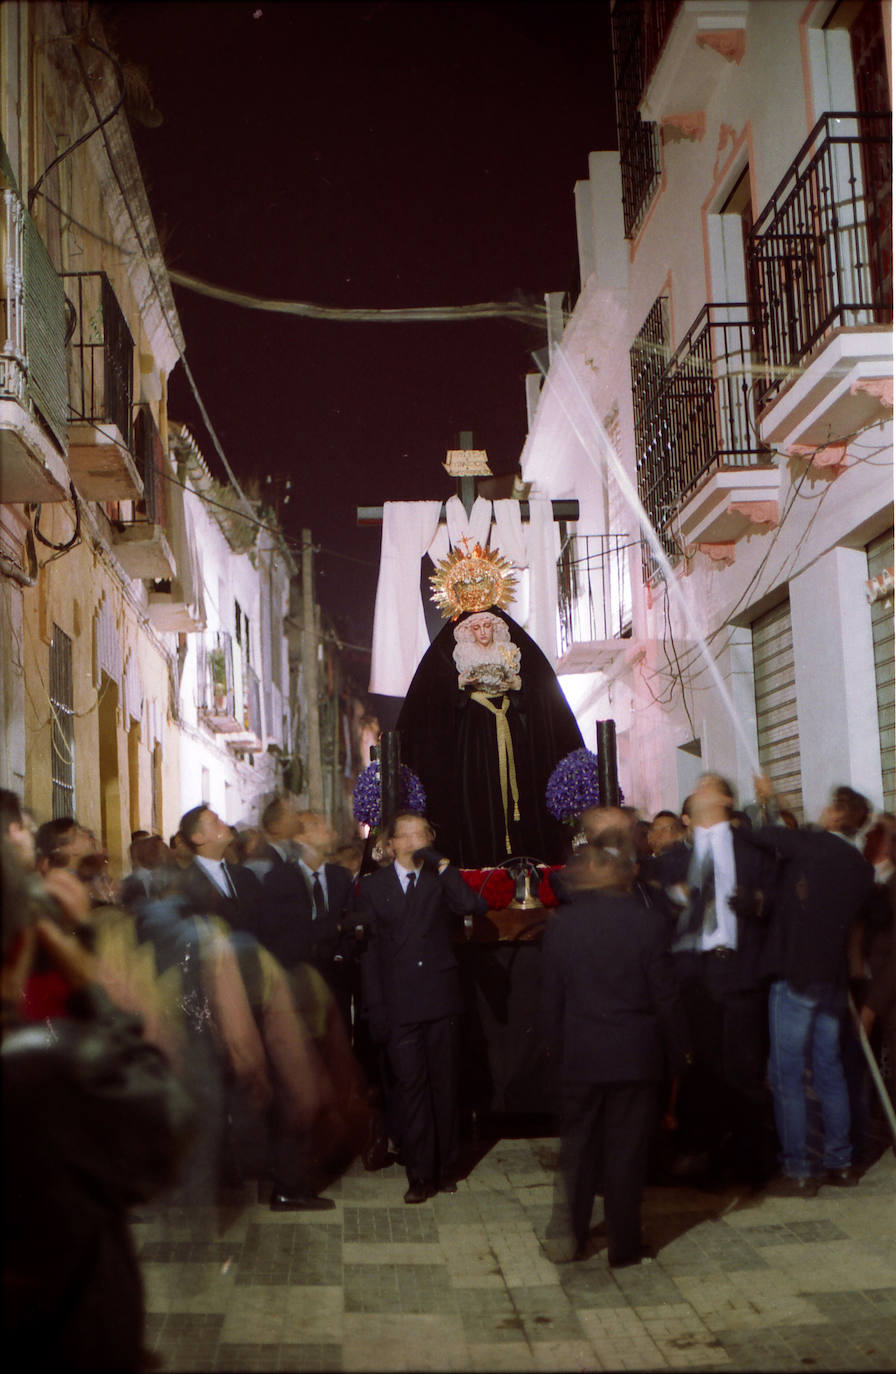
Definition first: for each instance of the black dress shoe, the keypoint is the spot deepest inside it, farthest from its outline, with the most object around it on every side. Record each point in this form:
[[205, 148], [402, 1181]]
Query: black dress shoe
[[840, 1178], [448, 1186], [646, 1252], [786, 1186], [300, 1202], [418, 1191]]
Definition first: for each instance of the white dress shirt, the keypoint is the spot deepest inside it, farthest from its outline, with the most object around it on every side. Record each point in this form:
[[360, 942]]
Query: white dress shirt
[[718, 841], [404, 874], [309, 879], [214, 870]]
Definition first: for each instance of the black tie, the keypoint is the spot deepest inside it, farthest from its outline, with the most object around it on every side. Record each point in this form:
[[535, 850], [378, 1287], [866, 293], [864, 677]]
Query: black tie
[[228, 881], [317, 895], [408, 892], [703, 913]]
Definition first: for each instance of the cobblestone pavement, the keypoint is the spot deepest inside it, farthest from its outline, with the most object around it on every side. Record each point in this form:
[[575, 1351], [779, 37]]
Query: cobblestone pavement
[[461, 1282]]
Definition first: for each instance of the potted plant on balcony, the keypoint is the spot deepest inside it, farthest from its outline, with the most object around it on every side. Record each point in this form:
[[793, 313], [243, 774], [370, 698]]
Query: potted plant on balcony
[[218, 672]]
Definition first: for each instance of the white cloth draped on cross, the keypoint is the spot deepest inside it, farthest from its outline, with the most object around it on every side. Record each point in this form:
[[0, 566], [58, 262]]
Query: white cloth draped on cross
[[411, 529]]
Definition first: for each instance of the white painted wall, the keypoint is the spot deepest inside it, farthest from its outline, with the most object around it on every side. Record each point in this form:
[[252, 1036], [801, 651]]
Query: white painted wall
[[759, 112], [237, 789]]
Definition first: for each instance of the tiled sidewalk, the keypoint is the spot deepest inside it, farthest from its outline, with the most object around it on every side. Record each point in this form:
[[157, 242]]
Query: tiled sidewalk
[[462, 1283]]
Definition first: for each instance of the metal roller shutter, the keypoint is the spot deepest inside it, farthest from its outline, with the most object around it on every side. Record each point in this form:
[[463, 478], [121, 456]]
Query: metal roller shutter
[[776, 720], [880, 560]]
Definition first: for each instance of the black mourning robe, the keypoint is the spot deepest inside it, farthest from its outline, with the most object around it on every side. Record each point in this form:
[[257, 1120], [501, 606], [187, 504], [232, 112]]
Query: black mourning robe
[[450, 742]]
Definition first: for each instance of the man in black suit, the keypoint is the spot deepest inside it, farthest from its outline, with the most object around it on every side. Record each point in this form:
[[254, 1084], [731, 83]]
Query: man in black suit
[[306, 898], [666, 830], [609, 1001], [412, 993], [722, 884], [825, 886], [211, 886]]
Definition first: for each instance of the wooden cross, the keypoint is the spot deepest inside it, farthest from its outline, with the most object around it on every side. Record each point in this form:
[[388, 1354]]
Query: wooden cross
[[467, 490]]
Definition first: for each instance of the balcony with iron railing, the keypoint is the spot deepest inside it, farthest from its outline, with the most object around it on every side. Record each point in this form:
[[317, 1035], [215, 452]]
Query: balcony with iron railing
[[820, 267], [249, 738], [595, 601], [215, 687], [657, 18], [228, 692], [33, 378], [101, 392], [704, 476], [139, 527], [685, 45], [638, 140]]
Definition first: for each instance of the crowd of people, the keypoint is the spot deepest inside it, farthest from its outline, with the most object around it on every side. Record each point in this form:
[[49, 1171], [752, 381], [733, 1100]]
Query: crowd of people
[[753, 949], [244, 1006]]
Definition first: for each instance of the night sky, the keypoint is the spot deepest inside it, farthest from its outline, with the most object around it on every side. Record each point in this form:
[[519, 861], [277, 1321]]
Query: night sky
[[377, 155]]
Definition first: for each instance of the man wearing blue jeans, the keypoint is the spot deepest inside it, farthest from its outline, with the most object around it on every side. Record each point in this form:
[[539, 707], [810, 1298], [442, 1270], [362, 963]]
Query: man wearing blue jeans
[[825, 886]]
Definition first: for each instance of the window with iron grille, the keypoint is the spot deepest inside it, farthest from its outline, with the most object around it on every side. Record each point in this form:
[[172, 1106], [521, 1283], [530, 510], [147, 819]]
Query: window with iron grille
[[657, 18], [639, 143], [62, 729], [150, 464], [101, 354], [649, 358]]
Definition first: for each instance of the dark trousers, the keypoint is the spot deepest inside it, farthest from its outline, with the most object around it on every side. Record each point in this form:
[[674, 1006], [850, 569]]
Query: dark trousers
[[292, 1162], [424, 1059], [606, 1129], [724, 1105]]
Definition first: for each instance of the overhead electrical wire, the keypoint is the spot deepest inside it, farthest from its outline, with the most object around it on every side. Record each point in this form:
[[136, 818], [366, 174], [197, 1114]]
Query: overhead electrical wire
[[100, 128], [523, 312], [80, 36], [520, 311]]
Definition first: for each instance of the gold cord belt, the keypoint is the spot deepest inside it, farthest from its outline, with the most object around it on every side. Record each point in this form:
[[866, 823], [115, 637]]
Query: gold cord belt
[[506, 766]]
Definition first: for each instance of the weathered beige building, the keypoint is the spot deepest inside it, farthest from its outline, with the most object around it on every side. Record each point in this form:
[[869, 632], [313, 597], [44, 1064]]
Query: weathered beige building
[[116, 570]]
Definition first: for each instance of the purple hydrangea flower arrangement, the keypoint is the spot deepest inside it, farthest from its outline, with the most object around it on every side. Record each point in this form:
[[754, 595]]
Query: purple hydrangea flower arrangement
[[366, 796], [573, 786]]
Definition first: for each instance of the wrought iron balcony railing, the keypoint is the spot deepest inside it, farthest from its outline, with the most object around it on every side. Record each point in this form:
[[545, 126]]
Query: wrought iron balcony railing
[[595, 595], [657, 18], [228, 690], [639, 144], [33, 324], [820, 255], [697, 414], [252, 709], [102, 355], [215, 695]]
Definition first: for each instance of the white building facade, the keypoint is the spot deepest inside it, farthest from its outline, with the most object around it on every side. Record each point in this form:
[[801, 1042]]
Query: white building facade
[[233, 673], [727, 372], [142, 605]]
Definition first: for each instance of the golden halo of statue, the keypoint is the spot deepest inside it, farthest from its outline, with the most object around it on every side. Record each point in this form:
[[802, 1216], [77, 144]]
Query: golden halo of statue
[[474, 581]]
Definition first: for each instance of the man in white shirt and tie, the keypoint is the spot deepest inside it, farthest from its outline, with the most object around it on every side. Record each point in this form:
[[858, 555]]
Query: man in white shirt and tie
[[211, 886], [305, 897], [413, 996], [724, 1109]]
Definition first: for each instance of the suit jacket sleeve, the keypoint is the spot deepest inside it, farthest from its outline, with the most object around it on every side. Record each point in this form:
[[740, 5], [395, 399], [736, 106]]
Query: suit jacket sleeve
[[553, 991], [664, 991], [372, 991], [461, 898]]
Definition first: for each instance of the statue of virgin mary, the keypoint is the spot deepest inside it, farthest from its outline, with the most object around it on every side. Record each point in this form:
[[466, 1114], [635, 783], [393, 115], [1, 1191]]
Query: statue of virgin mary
[[483, 725]]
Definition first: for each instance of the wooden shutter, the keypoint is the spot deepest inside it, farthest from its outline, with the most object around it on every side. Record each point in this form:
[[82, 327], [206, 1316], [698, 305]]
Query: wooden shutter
[[45, 335], [776, 719], [880, 559]]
